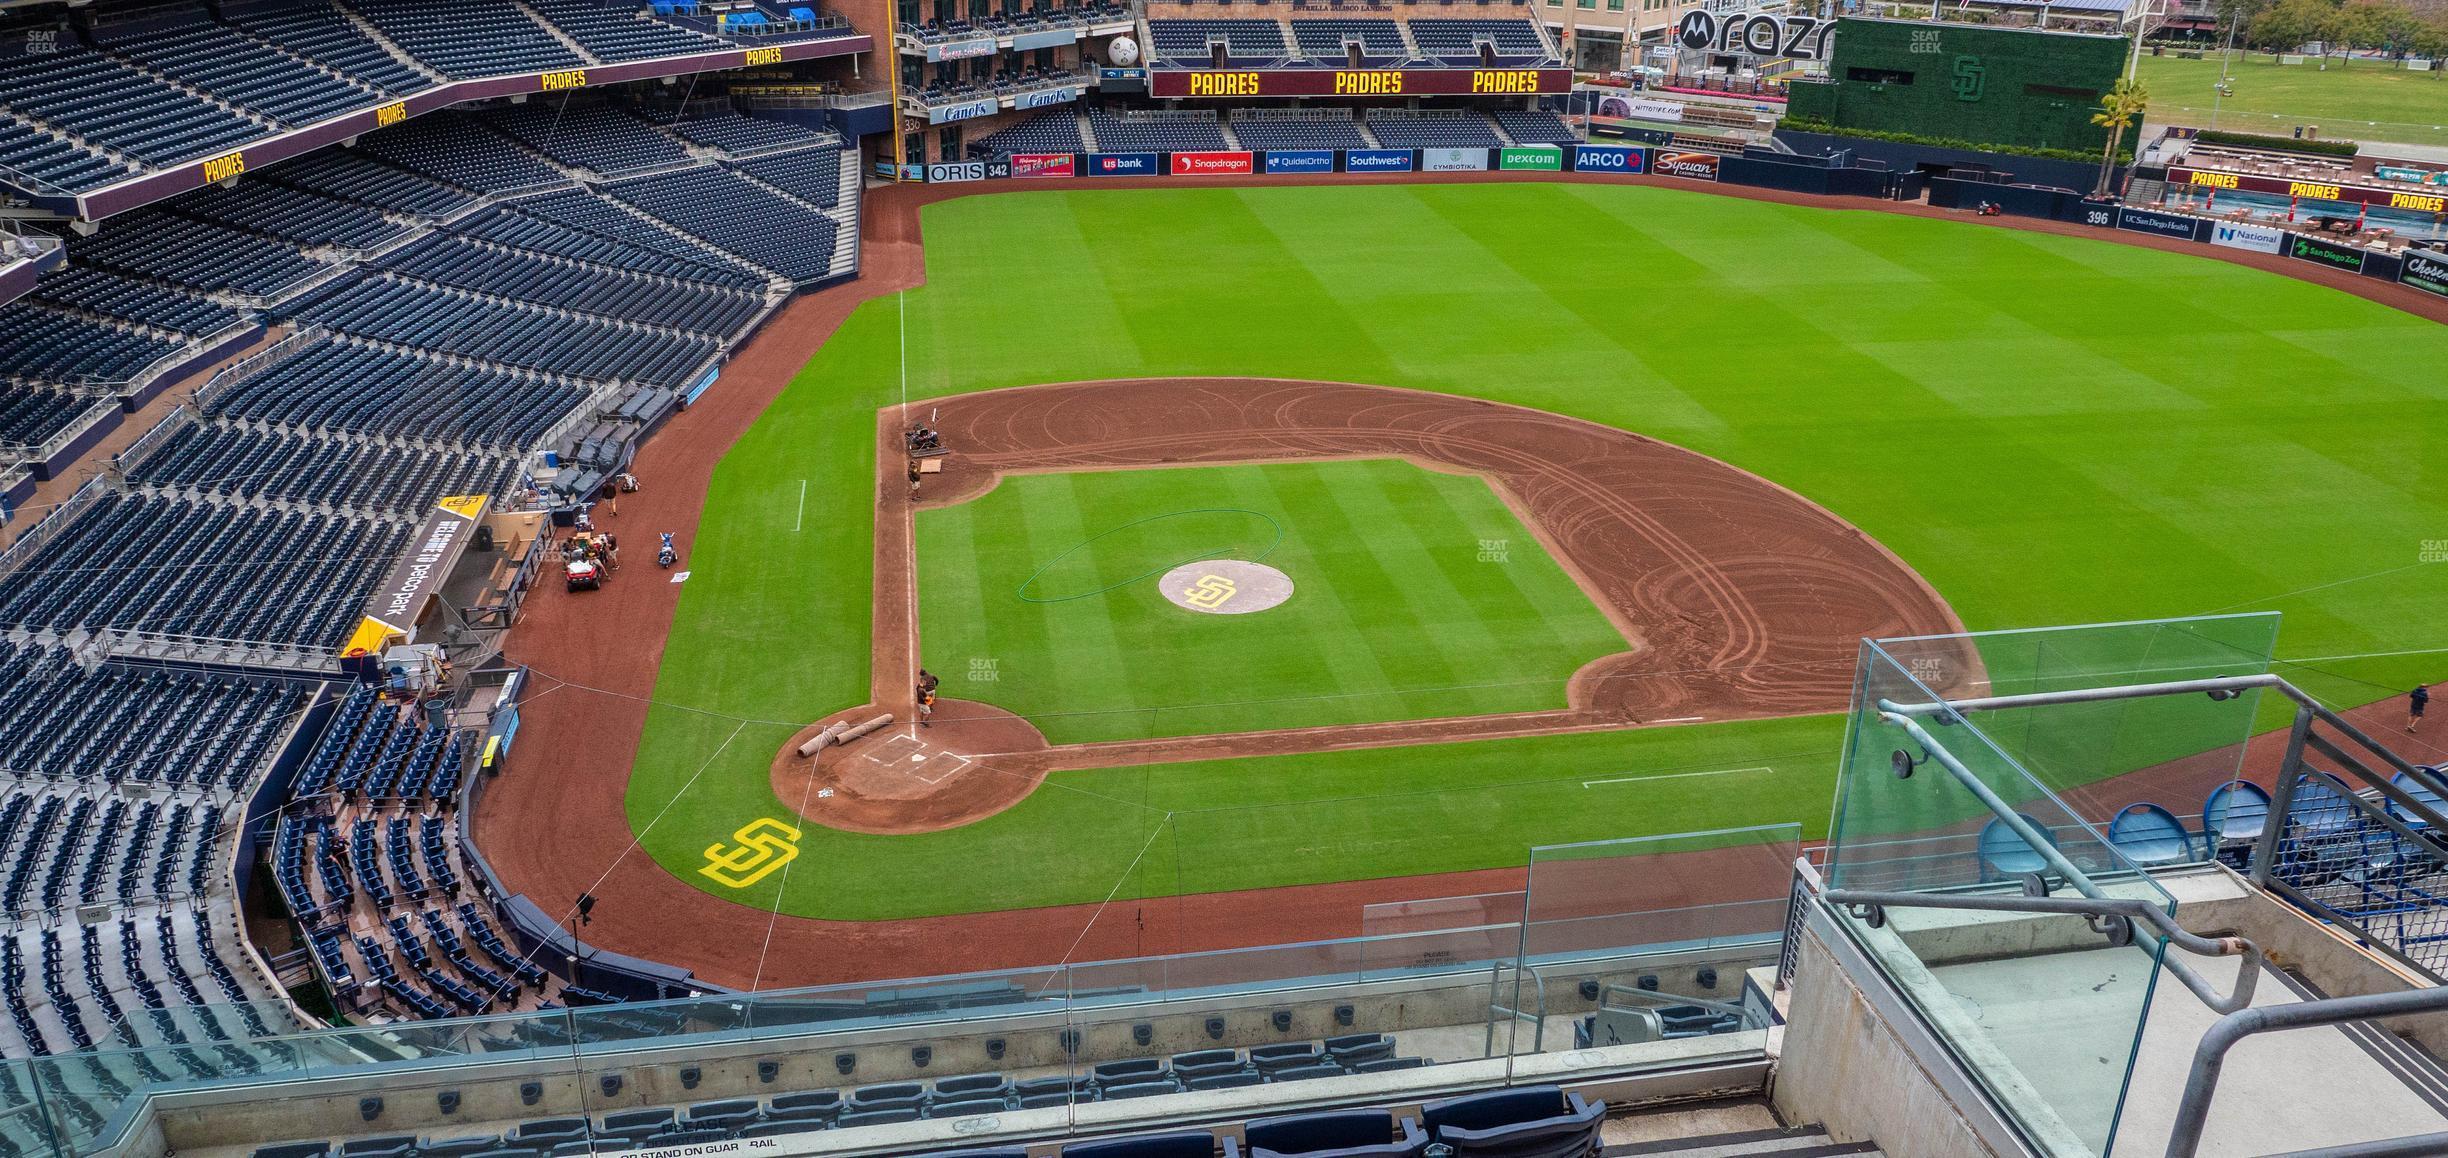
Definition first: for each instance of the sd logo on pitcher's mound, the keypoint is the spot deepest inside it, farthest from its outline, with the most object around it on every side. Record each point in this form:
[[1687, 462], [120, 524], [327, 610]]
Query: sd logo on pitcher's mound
[[1225, 586]]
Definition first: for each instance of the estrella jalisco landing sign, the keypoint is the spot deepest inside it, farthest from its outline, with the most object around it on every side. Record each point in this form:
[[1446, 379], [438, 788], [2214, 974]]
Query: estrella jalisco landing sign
[[1350, 82]]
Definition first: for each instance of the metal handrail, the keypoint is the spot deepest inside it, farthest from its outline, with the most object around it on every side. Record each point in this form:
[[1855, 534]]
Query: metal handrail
[[2210, 1057]]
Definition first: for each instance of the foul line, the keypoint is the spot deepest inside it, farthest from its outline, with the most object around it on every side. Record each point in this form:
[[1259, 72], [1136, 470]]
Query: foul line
[[800, 516], [1675, 776]]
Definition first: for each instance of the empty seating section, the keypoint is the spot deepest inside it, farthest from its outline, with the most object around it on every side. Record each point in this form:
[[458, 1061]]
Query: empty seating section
[[1050, 132], [110, 985], [349, 387], [351, 177], [1522, 1122], [195, 253], [448, 148], [517, 333], [1329, 42], [729, 131], [1246, 42], [157, 306], [1535, 127], [301, 467], [320, 31], [1263, 132], [294, 215], [812, 175], [605, 217], [1126, 133], [740, 216], [116, 106], [1434, 130], [121, 724], [469, 38], [233, 66], [623, 31], [213, 570], [1511, 43], [621, 240], [52, 159], [30, 415], [455, 261], [587, 136], [39, 344]]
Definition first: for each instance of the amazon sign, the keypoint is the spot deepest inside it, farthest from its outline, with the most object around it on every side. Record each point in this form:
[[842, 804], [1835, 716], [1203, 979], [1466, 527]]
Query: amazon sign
[[1360, 82]]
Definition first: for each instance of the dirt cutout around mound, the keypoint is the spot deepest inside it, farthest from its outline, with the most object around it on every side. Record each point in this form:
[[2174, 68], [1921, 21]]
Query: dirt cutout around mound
[[555, 823]]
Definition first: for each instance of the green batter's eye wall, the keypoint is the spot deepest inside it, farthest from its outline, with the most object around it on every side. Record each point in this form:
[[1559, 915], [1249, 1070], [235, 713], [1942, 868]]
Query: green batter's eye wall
[[1990, 86]]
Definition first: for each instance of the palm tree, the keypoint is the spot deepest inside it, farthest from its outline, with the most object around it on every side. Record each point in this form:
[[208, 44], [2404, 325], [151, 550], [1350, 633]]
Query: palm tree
[[2119, 108]]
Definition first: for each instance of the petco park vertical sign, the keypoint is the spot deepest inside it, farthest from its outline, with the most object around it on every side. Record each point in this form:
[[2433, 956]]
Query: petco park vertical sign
[[1349, 82]]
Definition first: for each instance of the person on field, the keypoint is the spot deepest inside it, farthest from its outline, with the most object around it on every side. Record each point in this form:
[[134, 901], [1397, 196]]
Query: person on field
[[926, 708], [913, 475], [2416, 701]]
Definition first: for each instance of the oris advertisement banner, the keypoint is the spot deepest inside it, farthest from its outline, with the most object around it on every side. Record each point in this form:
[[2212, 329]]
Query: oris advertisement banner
[[1376, 160], [1453, 160], [945, 172], [1211, 164], [2238, 235], [1300, 160], [1607, 159], [1696, 166], [1041, 165]]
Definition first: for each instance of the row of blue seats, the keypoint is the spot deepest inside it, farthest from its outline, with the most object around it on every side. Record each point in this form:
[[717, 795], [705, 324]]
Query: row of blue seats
[[46, 345], [158, 306], [31, 415], [1120, 134], [469, 38], [119, 724], [719, 206], [1462, 130], [726, 130], [292, 215], [651, 299], [454, 149], [343, 386], [605, 217], [177, 566], [319, 31], [1268, 133], [275, 464], [116, 105], [1528, 1122], [191, 252], [371, 750], [556, 225], [357, 175], [517, 333], [192, 49], [586, 135]]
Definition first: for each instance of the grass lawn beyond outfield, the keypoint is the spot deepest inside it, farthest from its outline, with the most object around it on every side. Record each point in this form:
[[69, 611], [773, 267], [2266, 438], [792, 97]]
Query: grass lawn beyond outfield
[[1416, 594], [2362, 100], [2050, 429]]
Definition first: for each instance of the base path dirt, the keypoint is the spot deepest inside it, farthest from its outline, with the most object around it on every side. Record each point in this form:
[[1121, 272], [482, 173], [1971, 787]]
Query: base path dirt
[[554, 824]]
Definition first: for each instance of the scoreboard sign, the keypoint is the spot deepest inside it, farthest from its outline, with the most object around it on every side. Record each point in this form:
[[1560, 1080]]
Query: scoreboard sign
[[2412, 200], [1358, 82]]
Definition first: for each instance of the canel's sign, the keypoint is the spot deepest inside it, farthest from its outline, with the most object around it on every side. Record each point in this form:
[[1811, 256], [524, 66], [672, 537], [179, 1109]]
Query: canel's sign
[[1756, 34]]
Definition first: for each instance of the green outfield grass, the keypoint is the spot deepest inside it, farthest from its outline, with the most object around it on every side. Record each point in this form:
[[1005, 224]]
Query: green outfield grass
[[2051, 429], [2362, 100], [1045, 590]]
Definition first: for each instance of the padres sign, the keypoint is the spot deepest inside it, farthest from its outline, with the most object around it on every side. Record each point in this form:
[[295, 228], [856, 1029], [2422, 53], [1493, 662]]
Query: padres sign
[[759, 847]]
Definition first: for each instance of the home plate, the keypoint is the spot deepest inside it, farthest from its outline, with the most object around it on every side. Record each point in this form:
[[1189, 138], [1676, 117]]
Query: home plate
[[901, 759]]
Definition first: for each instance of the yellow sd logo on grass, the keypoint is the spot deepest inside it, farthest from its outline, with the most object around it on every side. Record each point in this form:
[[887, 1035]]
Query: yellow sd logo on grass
[[764, 844], [1209, 593]]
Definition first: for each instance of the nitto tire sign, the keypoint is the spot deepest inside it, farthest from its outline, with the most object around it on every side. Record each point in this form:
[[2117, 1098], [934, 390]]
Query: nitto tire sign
[[2257, 238], [2426, 272], [1607, 159], [1756, 34]]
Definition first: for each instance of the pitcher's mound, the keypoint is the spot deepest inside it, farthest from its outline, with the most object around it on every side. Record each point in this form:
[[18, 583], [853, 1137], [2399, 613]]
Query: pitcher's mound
[[1225, 586]]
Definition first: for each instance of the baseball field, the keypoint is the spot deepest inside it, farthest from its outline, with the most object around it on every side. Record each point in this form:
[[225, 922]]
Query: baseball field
[[2034, 429]]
